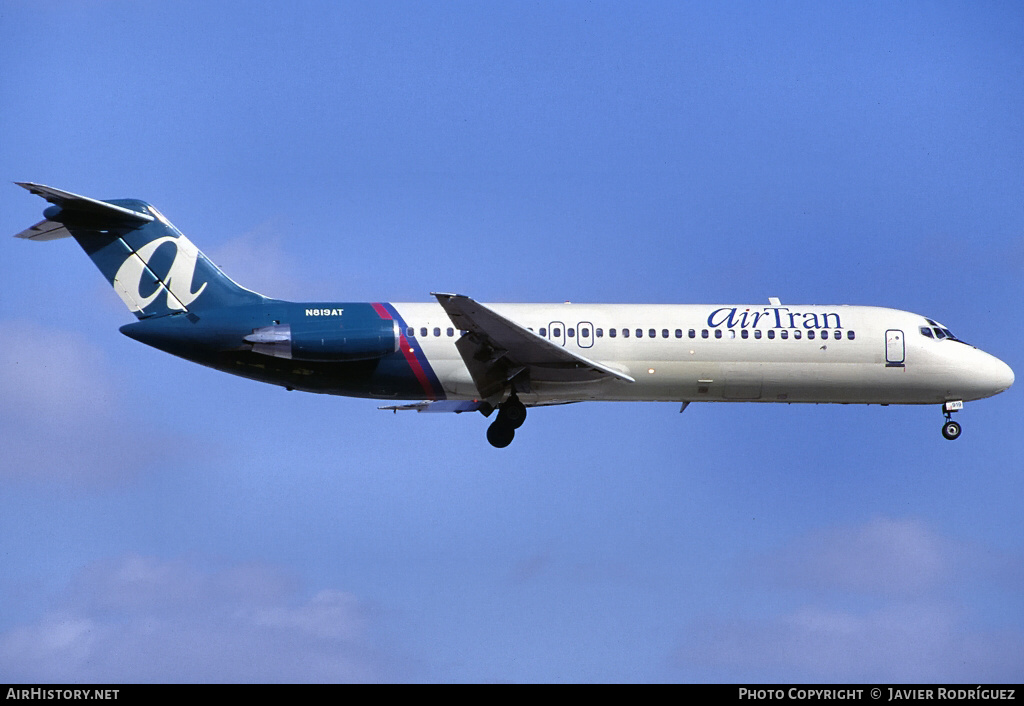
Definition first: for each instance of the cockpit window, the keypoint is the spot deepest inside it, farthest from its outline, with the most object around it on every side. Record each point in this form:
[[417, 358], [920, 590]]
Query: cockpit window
[[937, 330]]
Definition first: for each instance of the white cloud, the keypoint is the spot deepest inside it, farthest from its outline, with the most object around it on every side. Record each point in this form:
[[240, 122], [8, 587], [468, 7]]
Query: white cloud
[[882, 557], [50, 373], [903, 642], [140, 619], [256, 261], [62, 417], [328, 614], [870, 607]]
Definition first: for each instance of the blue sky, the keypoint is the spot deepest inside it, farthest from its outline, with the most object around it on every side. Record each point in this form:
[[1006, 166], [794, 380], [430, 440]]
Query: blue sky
[[163, 522]]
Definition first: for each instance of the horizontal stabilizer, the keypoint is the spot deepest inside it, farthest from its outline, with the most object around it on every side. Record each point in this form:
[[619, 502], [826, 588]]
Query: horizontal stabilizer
[[45, 230], [80, 204]]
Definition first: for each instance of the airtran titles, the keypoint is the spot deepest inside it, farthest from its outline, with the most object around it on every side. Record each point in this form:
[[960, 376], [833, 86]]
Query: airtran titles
[[772, 317]]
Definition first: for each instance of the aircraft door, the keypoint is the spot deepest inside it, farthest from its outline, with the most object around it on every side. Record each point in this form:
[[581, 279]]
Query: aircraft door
[[895, 350], [585, 334], [556, 332]]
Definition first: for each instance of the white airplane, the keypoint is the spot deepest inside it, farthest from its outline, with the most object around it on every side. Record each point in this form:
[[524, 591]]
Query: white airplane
[[458, 355]]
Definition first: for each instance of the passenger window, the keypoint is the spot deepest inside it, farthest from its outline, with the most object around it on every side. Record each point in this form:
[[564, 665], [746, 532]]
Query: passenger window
[[771, 333], [745, 333], [664, 333], [757, 333], [410, 332], [838, 335], [612, 332], [704, 333], [784, 333], [625, 333], [570, 332], [585, 332], [450, 332], [796, 334], [679, 333], [544, 332], [824, 334], [718, 333], [423, 331], [599, 332], [437, 331], [732, 333], [639, 333], [693, 334], [850, 335], [652, 333], [556, 333]]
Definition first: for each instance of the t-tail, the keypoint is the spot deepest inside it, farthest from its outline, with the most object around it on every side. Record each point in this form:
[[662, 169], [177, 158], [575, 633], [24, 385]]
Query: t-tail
[[153, 267]]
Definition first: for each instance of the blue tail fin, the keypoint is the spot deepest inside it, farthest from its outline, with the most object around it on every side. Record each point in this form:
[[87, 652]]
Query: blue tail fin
[[153, 267]]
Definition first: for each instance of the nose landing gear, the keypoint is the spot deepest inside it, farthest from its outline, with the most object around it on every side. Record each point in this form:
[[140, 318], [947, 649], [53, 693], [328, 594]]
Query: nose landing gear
[[511, 416], [951, 430]]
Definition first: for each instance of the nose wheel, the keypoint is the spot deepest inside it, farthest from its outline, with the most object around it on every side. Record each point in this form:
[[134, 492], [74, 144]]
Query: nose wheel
[[951, 430], [511, 416]]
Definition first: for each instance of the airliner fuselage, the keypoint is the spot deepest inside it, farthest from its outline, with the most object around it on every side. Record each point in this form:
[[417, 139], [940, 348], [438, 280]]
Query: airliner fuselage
[[698, 353], [457, 355], [680, 353]]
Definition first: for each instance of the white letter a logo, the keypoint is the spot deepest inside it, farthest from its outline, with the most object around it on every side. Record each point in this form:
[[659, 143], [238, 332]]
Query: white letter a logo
[[177, 283]]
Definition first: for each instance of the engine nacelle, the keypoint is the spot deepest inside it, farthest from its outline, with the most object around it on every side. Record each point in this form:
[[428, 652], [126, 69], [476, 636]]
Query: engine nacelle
[[324, 343]]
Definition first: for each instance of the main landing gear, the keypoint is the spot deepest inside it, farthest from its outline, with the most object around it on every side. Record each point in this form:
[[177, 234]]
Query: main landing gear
[[511, 416], [951, 430]]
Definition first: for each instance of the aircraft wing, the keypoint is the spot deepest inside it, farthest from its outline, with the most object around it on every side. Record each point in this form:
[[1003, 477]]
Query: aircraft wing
[[460, 406], [455, 406], [499, 351]]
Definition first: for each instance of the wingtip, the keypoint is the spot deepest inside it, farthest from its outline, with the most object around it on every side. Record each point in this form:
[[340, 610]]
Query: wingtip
[[32, 187]]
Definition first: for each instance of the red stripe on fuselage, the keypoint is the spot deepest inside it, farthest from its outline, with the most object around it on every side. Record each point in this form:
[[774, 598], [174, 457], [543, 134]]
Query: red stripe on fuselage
[[381, 311], [410, 357]]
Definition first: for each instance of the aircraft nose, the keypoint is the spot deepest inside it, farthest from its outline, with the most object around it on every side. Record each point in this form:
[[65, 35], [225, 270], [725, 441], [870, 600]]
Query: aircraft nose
[[1004, 376], [997, 375]]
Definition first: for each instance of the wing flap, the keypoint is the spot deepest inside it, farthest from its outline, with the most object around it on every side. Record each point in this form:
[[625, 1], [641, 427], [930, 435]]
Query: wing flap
[[453, 406]]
